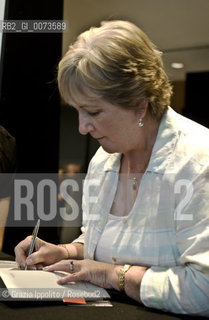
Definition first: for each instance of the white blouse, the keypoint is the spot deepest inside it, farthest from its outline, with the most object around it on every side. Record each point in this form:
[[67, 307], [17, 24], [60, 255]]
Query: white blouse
[[104, 249], [168, 227]]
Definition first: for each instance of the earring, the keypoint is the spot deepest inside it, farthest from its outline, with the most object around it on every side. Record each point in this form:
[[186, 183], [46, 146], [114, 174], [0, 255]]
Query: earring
[[140, 123]]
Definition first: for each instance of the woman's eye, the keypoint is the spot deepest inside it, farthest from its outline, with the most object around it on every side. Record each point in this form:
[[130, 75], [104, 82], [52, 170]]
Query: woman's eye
[[93, 114]]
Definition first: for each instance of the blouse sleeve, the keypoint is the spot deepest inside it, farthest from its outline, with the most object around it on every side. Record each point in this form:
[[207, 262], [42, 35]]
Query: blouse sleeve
[[185, 288]]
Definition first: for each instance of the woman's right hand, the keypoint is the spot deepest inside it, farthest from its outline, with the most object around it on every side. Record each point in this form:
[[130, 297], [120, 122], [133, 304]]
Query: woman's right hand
[[44, 254]]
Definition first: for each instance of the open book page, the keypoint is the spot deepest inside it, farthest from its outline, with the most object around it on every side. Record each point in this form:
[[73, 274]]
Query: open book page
[[7, 264], [32, 284]]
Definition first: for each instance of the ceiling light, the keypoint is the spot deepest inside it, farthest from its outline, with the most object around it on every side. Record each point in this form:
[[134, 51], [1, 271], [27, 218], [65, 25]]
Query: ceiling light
[[177, 65]]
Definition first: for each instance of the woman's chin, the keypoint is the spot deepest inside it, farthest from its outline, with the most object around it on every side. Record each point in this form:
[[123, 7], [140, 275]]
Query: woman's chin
[[108, 149]]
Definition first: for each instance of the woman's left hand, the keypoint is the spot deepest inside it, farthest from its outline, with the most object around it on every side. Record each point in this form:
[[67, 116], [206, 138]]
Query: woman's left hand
[[98, 273]]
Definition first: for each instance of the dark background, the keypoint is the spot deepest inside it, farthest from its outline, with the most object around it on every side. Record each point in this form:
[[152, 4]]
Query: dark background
[[30, 103], [197, 97]]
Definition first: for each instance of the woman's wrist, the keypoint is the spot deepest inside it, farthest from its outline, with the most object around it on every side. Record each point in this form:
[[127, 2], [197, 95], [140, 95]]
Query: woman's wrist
[[65, 251], [121, 277], [71, 251], [114, 277], [132, 280]]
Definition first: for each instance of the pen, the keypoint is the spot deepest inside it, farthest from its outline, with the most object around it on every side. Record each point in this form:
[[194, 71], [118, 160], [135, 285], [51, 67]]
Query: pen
[[35, 232]]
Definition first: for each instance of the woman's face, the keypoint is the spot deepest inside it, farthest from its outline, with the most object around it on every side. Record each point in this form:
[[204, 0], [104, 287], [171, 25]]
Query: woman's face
[[114, 128]]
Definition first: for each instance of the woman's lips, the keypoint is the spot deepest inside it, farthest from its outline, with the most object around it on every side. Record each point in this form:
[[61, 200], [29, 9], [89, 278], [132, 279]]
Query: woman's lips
[[100, 139]]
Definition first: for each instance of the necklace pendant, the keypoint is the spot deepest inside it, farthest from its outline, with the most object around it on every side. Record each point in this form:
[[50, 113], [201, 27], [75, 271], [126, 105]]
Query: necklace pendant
[[135, 184], [134, 187]]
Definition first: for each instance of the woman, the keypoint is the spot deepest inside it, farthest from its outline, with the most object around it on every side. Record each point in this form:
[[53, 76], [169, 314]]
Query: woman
[[147, 232]]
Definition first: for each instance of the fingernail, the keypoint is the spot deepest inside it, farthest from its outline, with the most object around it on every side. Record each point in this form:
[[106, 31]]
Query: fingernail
[[22, 266], [29, 261]]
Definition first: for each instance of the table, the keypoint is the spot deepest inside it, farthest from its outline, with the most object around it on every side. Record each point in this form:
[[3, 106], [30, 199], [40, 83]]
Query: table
[[123, 309]]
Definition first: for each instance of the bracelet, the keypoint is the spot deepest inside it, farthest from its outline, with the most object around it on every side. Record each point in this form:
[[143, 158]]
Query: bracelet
[[64, 246], [121, 277]]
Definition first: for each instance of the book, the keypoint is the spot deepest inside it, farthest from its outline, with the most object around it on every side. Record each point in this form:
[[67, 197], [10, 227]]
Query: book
[[42, 285], [7, 264]]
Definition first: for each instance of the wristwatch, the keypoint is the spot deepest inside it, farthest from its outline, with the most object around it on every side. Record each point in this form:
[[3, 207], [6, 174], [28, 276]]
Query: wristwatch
[[121, 279]]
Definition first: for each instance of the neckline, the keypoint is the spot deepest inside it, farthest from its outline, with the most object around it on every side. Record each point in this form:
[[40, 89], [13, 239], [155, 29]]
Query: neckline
[[114, 217]]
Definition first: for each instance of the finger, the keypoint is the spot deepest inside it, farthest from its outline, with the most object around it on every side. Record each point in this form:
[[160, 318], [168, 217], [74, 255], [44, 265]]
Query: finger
[[63, 265], [35, 258], [21, 251], [74, 277], [39, 256], [38, 243], [39, 266], [33, 267]]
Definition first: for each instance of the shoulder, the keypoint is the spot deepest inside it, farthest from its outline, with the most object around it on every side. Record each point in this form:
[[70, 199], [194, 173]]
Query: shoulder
[[184, 124], [193, 137], [188, 126]]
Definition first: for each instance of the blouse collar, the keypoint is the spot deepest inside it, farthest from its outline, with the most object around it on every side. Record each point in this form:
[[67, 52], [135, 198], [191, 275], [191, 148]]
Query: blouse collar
[[162, 150]]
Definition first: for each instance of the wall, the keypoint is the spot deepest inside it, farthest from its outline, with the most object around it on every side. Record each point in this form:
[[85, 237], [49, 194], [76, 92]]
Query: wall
[[178, 97]]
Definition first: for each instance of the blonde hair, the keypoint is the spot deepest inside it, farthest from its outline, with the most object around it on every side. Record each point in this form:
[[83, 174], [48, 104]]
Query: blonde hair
[[118, 63]]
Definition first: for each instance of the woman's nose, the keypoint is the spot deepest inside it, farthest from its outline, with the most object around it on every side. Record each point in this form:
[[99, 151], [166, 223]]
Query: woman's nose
[[85, 125]]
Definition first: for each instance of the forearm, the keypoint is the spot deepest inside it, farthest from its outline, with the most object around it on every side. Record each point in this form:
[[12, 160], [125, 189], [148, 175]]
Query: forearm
[[180, 289]]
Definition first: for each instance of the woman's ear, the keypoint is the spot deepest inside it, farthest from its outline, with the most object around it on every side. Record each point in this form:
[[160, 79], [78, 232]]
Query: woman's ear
[[143, 108]]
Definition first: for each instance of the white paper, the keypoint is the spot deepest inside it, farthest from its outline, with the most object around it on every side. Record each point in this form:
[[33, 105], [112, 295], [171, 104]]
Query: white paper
[[38, 284], [7, 264]]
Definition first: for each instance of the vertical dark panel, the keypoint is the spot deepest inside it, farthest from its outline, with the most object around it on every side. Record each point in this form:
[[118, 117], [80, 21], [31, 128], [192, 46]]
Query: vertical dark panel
[[197, 97], [30, 101]]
